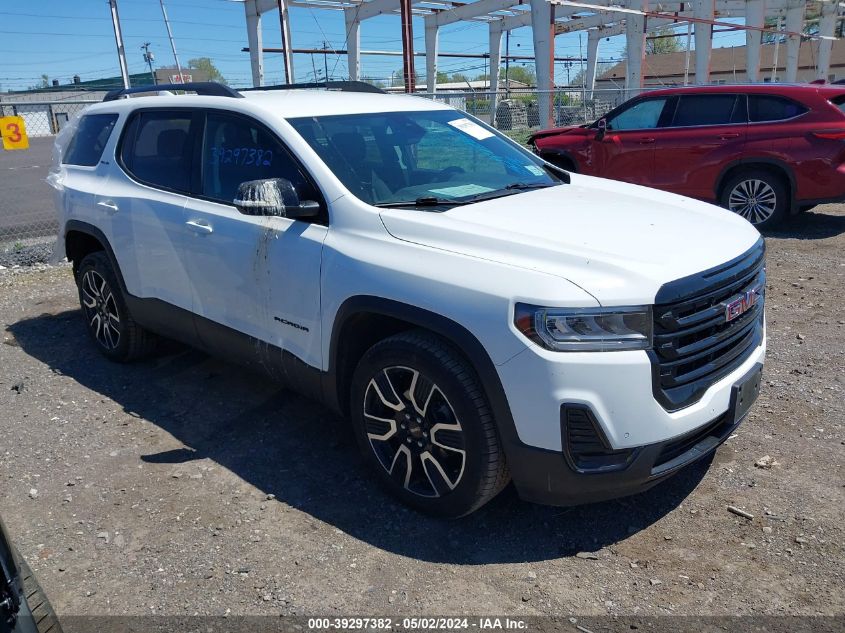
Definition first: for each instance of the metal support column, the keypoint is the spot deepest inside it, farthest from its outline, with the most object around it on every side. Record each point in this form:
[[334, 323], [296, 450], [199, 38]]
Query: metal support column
[[635, 26], [755, 15], [431, 36], [253, 33], [495, 64], [407, 45], [705, 10], [353, 43], [827, 28], [593, 39], [794, 24], [542, 22], [287, 41]]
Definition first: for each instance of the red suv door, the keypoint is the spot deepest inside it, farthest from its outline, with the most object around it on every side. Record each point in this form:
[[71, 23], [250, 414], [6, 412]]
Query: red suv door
[[626, 150], [705, 133]]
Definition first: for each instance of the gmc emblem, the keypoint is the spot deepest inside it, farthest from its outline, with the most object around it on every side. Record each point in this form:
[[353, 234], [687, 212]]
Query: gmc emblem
[[742, 304]]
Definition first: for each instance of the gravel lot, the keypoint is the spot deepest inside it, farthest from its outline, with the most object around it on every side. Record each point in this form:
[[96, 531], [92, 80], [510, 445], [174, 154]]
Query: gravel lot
[[183, 485]]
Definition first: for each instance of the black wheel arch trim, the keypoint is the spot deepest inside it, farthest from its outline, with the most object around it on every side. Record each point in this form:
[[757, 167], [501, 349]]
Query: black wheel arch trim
[[89, 229], [750, 162], [465, 341]]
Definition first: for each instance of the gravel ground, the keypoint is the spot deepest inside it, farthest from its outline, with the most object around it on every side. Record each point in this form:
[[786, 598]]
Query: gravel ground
[[183, 485]]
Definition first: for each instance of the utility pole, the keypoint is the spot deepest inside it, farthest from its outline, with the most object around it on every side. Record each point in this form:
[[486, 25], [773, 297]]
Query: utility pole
[[149, 58], [172, 43], [325, 60], [118, 40]]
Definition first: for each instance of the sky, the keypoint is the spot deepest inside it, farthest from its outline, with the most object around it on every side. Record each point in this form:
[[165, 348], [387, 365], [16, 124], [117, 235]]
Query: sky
[[61, 39]]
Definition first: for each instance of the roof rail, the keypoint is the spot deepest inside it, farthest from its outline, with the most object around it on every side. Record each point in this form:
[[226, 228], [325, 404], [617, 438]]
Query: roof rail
[[209, 88], [343, 86]]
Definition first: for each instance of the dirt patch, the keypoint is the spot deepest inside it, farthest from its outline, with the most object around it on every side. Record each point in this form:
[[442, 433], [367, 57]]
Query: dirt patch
[[183, 485]]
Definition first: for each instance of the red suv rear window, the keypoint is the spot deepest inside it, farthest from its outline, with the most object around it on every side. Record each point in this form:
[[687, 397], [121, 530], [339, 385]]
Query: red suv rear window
[[839, 102]]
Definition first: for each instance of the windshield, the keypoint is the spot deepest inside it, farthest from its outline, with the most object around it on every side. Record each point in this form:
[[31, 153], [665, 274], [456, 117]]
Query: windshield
[[434, 157]]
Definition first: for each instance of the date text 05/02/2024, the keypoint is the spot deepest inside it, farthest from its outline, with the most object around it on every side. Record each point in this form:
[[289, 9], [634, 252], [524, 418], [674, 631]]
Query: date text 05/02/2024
[[417, 623]]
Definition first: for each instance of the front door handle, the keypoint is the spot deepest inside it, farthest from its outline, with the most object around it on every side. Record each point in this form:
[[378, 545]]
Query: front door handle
[[646, 141], [109, 206], [727, 137], [200, 228]]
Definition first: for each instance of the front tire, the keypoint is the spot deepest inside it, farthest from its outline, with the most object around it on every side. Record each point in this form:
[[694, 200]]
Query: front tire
[[108, 321], [758, 195], [423, 423]]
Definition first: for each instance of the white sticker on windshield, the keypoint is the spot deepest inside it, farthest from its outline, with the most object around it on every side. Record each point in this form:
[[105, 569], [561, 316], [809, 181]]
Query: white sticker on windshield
[[461, 191], [472, 128], [535, 170]]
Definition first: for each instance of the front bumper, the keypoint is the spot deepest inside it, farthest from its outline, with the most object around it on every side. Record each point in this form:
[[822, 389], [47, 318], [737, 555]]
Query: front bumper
[[551, 478]]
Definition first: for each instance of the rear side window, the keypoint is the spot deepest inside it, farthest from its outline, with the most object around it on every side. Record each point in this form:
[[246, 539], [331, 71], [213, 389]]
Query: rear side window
[[87, 145], [156, 149], [716, 109], [771, 108], [839, 102]]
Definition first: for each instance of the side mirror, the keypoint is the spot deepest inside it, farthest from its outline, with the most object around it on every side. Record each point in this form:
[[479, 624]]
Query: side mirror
[[601, 124], [273, 197]]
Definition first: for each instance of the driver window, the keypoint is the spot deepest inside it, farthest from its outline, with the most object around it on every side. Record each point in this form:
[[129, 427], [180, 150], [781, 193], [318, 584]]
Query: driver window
[[644, 115], [236, 150]]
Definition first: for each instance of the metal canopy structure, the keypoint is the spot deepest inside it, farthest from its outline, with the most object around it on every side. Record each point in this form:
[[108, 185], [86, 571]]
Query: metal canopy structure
[[549, 18]]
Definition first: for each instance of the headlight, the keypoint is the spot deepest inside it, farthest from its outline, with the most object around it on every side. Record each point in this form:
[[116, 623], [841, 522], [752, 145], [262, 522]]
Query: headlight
[[586, 329]]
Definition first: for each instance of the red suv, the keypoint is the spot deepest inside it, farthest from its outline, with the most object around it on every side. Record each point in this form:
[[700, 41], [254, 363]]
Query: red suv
[[763, 151]]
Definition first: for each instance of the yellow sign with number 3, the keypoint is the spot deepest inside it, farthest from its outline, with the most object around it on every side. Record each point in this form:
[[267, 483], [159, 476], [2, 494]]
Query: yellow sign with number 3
[[13, 131]]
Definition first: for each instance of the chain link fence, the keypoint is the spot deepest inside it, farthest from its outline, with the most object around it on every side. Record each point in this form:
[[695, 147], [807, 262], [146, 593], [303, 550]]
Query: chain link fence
[[518, 110], [27, 219]]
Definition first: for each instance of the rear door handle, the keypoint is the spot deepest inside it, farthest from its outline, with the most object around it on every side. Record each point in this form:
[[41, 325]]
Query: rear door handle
[[200, 228], [109, 206], [727, 137], [646, 141]]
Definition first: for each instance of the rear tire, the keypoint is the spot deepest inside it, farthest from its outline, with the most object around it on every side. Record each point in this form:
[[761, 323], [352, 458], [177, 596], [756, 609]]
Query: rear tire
[[108, 321], [423, 423], [758, 195]]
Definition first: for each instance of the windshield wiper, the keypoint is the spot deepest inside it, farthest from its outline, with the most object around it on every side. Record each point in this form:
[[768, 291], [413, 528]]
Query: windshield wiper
[[425, 201], [511, 189], [524, 186]]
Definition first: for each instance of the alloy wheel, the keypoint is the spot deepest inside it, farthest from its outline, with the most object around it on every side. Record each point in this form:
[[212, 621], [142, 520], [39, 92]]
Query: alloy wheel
[[414, 431], [101, 309], [753, 199]]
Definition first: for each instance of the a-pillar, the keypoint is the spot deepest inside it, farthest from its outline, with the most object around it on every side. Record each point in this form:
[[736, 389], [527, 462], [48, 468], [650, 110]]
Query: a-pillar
[[495, 64], [755, 15], [542, 23], [593, 39], [794, 23], [253, 33], [827, 27], [635, 43], [353, 43], [703, 10], [432, 34]]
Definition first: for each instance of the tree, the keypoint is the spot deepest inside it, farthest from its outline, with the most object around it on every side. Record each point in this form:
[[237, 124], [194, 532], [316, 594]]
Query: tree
[[44, 82], [206, 65], [661, 44], [811, 24], [521, 74]]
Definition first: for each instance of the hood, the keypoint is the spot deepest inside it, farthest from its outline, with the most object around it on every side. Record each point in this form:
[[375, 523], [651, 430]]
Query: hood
[[619, 242], [557, 131]]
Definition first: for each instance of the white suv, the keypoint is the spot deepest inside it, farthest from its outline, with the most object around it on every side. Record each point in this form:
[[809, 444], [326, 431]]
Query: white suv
[[479, 314]]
